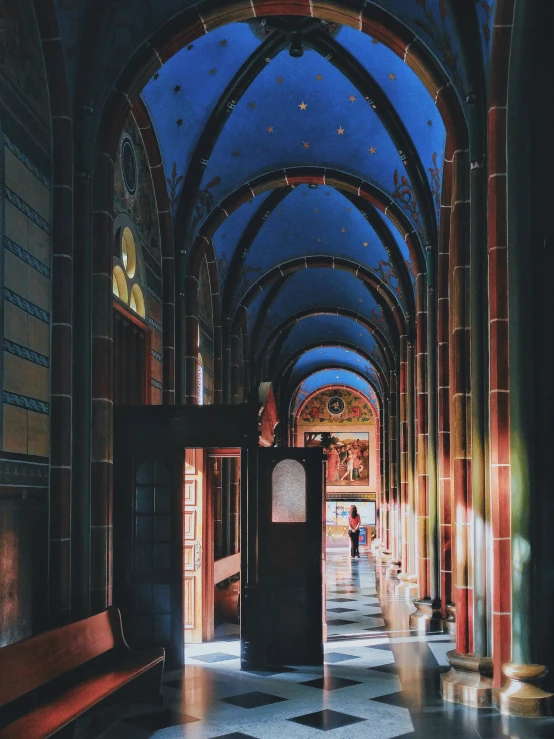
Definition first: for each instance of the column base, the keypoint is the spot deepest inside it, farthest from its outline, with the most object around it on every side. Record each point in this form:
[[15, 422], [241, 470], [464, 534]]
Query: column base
[[522, 694], [469, 680], [407, 586], [449, 623], [427, 616], [383, 558]]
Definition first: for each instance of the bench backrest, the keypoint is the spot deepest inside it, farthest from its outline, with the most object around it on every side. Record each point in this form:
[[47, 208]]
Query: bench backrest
[[28, 664]]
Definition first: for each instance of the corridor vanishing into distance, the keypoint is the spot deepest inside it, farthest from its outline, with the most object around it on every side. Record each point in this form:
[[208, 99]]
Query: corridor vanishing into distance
[[378, 681], [262, 263]]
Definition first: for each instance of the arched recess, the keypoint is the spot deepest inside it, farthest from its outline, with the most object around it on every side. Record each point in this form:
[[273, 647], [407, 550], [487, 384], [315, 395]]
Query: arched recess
[[180, 30]]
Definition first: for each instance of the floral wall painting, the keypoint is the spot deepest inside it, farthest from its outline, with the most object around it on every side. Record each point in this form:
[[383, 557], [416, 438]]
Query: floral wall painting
[[347, 455], [336, 406]]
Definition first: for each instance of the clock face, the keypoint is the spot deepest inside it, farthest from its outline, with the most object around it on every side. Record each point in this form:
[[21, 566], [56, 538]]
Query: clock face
[[335, 405]]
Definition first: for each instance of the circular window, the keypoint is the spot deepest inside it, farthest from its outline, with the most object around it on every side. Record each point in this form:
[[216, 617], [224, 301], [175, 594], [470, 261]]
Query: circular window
[[119, 284], [129, 165], [137, 301], [128, 252]]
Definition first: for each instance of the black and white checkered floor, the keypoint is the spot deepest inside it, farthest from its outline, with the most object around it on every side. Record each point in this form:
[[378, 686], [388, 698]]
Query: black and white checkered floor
[[379, 681]]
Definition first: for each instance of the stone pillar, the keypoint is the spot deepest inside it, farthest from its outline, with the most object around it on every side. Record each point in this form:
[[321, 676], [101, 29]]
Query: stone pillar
[[443, 380], [403, 478], [394, 533], [426, 617], [529, 398], [412, 535], [469, 680]]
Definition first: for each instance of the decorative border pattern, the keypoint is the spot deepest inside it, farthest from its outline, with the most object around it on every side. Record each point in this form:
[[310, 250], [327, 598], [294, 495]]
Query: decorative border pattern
[[29, 474], [154, 294], [27, 210], [24, 159], [157, 355], [155, 325], [27, 306], [157, 384], [28, 258], [23, 401], [23, 352]]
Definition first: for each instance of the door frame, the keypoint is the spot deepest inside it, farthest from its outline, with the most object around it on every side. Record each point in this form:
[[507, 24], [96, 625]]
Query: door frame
[[165, 432]]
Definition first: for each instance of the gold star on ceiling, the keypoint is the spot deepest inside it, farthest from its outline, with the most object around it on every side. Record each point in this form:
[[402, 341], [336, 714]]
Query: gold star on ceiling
[[319, 77], [429, 123], [392, 76], [270, 129], [223, 42], [319, 239], [306, 144], [343, 230], [213, 71], [316, 210], [279, 80], [366, 243], [374, 41], [348, 209], [352, 99], [303, 106], [236, 153], [372, 150], [340, 131], [252, 105]]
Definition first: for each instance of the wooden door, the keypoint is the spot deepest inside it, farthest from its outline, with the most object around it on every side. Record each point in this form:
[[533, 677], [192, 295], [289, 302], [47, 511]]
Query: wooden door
[[282, 550], [193, 519]]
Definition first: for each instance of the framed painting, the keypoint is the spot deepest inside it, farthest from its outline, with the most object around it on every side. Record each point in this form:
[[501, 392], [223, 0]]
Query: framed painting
[[347, 456]]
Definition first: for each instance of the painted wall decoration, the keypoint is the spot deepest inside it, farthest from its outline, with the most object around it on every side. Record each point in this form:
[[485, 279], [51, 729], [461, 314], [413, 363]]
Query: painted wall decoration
[[21, 61], [347, 455], [336, 406]]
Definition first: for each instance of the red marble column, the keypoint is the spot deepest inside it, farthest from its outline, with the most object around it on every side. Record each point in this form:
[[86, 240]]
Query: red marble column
[[443, 326], [394, 514], [403, 480], [499, 429], [460, 419], [422, 441]]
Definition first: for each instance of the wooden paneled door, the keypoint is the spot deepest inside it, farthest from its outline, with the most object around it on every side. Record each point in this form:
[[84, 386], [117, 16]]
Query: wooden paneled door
[[193, 525], [282, 558]]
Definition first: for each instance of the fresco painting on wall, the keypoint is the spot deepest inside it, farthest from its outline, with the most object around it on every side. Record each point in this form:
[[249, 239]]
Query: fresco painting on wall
[[347, 455]]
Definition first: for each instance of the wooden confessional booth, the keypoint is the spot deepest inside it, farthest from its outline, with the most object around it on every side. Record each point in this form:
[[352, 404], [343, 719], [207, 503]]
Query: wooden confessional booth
[[163, 533]]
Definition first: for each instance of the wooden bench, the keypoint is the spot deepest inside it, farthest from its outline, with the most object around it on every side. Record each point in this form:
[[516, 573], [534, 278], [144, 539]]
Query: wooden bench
[[56, 677]]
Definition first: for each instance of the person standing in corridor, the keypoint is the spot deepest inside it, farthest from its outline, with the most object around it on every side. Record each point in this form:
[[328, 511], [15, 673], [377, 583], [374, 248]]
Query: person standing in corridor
[[354, 522]]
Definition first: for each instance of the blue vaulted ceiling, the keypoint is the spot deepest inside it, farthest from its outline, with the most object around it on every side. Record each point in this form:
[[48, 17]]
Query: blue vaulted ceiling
[[336, 289], [311, 222], [328, 330], [235, 106], [327, 357]]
